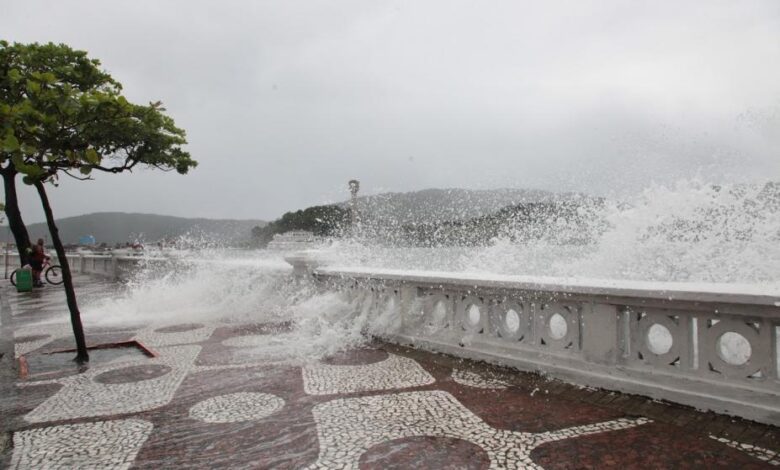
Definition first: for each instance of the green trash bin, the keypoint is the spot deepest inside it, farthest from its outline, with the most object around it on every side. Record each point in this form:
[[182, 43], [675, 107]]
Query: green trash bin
[[24, 279]]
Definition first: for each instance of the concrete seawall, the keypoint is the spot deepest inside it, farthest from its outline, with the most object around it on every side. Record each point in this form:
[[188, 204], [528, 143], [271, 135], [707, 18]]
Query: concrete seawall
[[710, 350]]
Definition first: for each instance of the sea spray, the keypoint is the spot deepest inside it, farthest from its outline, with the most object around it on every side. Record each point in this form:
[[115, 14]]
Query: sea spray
[[690, 232], [198, 287], [224, 288], [696, 234]]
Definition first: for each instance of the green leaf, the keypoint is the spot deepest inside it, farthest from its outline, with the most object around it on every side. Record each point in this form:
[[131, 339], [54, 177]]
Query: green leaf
[[85, 170], [31, 170], [48, 77], [28, 149], [15, 75], [92, 156], [10, 143], [33, 86]]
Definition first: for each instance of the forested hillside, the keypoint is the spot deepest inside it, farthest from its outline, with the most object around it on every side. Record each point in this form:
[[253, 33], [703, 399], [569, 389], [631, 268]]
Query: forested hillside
[[119, 227]]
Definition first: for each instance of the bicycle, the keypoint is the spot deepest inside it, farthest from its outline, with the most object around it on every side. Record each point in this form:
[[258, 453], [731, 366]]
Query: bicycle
[[51, 272]]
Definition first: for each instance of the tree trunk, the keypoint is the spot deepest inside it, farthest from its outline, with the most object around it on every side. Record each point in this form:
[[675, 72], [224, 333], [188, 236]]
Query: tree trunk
[[82, 355], [14, 216]]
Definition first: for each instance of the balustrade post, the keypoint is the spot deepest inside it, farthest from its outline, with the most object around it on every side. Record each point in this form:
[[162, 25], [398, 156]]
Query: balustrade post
[[409, 303], [600, 333], [114, 274], [304, 263]]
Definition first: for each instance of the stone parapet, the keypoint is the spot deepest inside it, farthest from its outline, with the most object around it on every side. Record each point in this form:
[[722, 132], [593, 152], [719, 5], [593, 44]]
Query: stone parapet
[[713, 349]]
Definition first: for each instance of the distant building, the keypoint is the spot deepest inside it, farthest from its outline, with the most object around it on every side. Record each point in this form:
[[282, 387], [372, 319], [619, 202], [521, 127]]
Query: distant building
[[294, 240]]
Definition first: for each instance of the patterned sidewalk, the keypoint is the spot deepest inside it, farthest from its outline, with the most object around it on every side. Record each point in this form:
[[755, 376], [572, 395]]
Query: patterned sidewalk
[[206, 402]]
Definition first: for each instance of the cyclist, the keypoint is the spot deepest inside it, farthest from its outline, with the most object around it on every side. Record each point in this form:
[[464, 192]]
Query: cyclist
[[36, 262]]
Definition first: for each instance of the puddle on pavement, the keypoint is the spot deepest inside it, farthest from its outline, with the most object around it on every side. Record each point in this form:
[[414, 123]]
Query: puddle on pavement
[[62, 363]]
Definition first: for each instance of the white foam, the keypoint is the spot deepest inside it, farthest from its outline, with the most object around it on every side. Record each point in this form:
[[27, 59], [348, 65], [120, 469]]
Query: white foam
[[693, 237]]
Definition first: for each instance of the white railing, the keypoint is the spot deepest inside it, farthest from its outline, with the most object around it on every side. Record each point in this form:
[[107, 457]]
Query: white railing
[[708, 349], [114, 267]]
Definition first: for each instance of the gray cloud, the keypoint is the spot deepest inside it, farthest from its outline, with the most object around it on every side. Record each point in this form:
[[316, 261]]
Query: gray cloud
[[284, 101]]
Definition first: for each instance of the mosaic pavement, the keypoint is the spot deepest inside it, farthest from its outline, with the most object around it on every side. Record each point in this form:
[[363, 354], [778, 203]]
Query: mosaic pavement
[[213, 398], [471, 379], [395, 372], [236, 407], [89, 394], [102, 444], [348, 428]]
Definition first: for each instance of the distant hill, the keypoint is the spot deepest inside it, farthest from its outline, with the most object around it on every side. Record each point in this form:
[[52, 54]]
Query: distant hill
[[437, 216], [567, 221], [120, 227], [442, 205]]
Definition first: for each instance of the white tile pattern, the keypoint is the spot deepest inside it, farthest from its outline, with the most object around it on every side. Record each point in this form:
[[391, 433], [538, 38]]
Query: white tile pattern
[[393, 373], [52, 331], [766, 455], [236, 407], [471, 379], [349, 427], [100, 445], [82, 397]]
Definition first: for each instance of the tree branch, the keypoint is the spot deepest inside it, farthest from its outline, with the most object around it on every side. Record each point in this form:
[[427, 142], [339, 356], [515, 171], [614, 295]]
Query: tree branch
[[76, 177]]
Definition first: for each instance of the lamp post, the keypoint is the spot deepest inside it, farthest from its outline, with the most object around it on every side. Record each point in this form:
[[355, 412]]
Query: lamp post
[[354, 187]]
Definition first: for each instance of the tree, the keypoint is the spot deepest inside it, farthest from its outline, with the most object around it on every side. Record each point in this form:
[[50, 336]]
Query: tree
[[324, 221], [13, 214], [62, 115]]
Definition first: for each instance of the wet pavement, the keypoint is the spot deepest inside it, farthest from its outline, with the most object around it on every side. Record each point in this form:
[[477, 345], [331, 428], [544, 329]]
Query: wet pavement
[[205, 401]]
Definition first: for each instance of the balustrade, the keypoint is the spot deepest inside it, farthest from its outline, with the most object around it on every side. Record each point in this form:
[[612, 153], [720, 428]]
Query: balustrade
[[710, 350]]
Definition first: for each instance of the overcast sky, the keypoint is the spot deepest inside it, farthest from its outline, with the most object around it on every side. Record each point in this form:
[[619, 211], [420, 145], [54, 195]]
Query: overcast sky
[[284, 101]]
